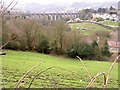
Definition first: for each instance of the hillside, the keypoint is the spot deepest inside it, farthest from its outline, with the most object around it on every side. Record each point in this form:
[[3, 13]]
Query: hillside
[[67, 72]]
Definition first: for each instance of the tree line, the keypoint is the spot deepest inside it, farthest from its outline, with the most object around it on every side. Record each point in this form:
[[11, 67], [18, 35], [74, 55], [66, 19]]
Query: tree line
[[53, 38]]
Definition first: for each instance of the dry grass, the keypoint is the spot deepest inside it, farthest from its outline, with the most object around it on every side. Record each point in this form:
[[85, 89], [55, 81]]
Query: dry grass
[[110, 70], [95, 77], [106, 79], [85, 67]]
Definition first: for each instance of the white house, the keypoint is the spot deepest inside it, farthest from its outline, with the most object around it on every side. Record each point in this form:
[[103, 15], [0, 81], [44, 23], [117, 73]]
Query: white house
[[105, 16]]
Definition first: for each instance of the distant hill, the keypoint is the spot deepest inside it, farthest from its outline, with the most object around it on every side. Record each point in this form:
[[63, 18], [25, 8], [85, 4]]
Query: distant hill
[[78, 5]]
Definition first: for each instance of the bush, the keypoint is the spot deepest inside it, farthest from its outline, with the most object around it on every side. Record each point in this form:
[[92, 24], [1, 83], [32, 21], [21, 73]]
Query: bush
[[23, 44], [43, 45], [102, 53], [72, 51], [96, 50], [105, 50], [82, 50], [99, 19], [94, 44], [85, 50], [13, 45], [54, 47]]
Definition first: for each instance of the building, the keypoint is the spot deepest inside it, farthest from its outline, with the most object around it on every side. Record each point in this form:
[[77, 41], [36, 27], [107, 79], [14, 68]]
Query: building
[[114, 45]]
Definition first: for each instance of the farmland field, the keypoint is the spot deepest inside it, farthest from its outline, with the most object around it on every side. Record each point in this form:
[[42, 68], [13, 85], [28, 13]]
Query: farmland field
[[87, 28], [66, 73]]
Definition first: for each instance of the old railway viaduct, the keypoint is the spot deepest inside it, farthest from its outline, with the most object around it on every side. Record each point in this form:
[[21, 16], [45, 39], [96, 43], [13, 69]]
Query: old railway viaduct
[[47, 16]]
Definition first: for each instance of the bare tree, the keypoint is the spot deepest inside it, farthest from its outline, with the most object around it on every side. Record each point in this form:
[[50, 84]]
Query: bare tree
[[59, 33], [4, 9]]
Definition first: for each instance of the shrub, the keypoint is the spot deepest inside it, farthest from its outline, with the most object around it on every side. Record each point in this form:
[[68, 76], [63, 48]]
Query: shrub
[[23, 44], [85, 50], [94, 44], [82, 50], [99, 19], [105, 50], [72, 51], [43, 45], [14, 45]]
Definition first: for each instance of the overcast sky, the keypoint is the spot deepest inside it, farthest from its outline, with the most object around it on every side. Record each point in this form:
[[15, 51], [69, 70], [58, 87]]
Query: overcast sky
[[23, 3], [59, 1]]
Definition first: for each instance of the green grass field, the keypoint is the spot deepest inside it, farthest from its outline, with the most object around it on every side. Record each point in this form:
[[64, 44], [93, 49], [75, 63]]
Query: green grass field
[[91, 28], [16, 63], [109, 23]]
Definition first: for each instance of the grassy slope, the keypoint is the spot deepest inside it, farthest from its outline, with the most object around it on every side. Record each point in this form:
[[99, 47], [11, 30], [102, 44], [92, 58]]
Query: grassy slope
[[109, 23], [16, 63], [91, 28]]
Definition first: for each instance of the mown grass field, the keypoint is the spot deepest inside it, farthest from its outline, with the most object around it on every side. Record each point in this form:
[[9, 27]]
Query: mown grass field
[[110, 23], [90, 28], [72, 74]]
